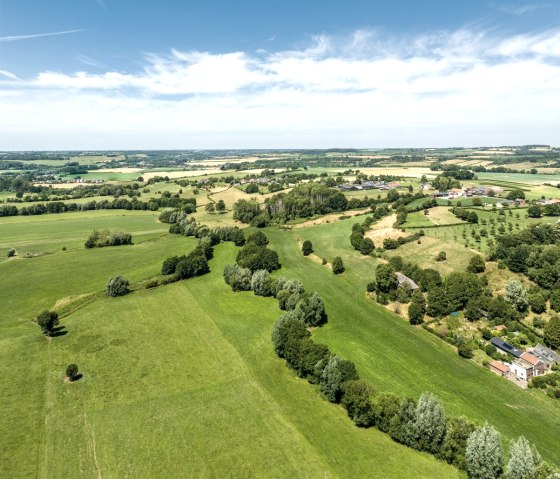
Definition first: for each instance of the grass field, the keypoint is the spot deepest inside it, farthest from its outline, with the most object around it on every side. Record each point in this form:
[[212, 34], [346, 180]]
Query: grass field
[[51, 232], [178, 381], [395, 356]]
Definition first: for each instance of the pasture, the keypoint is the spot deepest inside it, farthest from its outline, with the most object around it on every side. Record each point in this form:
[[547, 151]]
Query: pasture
[[184, 374], [395, 356]]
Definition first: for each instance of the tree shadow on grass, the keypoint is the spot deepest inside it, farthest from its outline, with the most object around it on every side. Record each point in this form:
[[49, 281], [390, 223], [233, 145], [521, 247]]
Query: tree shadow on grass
[[60, 331]]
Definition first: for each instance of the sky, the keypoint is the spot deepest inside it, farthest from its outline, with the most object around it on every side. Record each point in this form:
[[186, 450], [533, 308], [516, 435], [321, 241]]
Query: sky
[[171, 74]]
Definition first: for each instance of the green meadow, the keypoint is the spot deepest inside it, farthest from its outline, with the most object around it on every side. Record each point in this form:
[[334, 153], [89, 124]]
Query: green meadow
[[177, 381], [395, 356]]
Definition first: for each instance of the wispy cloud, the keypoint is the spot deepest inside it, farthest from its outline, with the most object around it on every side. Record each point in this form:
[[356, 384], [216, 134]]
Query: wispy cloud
[[523, 9], [8, 74], [86, 60], [453, 88], [101, 4], [15, 38]]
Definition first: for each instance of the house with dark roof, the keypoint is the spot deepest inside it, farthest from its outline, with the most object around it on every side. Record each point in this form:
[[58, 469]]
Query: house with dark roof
[[505, 347], [545, 354]]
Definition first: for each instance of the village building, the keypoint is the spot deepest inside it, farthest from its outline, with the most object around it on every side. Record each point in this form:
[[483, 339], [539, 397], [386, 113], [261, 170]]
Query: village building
[[546, 355], [506, 348], [499, 368]]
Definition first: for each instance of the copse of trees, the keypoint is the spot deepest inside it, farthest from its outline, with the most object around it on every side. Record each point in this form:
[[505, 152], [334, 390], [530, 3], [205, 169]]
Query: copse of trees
[[359, 242], [101, 239], [465, 215]]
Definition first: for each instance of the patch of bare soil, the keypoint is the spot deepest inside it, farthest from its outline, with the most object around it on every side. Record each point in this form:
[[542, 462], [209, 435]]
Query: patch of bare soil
[[332, 218], [384, 229]]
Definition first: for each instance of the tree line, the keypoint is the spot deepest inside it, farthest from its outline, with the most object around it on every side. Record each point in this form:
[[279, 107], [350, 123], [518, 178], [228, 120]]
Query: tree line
[[422, 425]]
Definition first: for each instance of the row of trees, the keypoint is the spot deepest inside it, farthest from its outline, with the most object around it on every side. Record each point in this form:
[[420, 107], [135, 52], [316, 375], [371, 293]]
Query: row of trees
[[422, 425], [153, 204], [100, 239]]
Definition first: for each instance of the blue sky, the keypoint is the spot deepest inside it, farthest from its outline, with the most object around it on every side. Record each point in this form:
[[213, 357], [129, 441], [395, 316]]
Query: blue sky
[[97, 74]]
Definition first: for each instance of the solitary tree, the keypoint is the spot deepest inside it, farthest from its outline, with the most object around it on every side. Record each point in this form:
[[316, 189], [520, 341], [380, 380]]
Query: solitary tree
[[521, 464], [484, 456], [337, 265], [72, 372], [220, 206], [47, 320], [117, 286], [516, 295], [307, 248]]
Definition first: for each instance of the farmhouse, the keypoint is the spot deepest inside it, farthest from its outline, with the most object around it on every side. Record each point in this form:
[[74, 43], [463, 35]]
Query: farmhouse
[[402, 280], [499, 368], [505, 347], [546, 355]]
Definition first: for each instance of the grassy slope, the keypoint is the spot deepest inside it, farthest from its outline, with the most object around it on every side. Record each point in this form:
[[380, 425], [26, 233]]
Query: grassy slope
[[395, 356], [178, 379]]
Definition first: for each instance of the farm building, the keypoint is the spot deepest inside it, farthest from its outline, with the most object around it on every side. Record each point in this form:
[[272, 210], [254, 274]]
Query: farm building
[[498, 368], [505, 347], [349, 187], [402, 280], [546, 355]]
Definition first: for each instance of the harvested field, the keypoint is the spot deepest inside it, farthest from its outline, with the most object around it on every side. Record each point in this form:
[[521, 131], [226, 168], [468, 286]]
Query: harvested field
[[384, 229]]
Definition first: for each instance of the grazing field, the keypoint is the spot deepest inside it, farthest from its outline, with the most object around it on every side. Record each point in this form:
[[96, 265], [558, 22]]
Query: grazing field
[[184, 374], [397, 357], [51, 232]]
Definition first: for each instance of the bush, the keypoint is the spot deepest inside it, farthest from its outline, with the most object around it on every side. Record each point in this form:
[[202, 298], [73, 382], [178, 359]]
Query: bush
[[337, 265], [371, 286], [11, 253], [389, 243], [441, 256], [117, 286], [101, 239], [476, 264], [466, 351], [307, 248], [169, 265], [72, 372]]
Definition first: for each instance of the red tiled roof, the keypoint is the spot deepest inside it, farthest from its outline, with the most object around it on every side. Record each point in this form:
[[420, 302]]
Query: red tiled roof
[[499, 366], [529, 358]]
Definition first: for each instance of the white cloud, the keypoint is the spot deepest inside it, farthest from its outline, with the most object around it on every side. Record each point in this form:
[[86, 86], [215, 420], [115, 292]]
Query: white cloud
[[448, 88]]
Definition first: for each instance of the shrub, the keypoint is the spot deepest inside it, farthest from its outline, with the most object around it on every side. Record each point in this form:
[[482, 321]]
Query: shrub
[[11, 252], [337, 265], [476, 264], [371, 286], [117, 286], [465, 351], [72, 372], [169, 265], [441, 256], [390, 243], [307, 248]]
